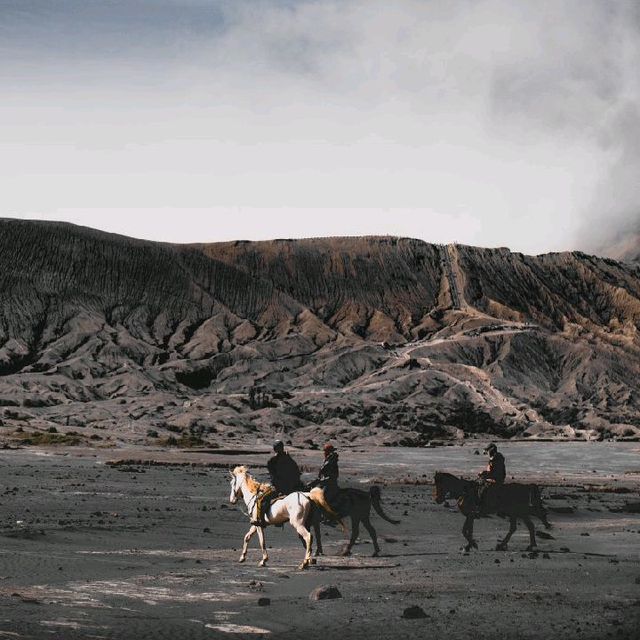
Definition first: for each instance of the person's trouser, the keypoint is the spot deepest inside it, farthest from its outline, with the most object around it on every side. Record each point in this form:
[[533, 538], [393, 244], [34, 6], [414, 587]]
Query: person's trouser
[[262, 506]]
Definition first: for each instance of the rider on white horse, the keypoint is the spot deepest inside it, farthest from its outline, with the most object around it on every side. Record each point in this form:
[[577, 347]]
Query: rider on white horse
[[294, 508]]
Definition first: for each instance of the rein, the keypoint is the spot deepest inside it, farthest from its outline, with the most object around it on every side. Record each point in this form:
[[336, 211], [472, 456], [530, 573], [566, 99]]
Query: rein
[[250, 505]]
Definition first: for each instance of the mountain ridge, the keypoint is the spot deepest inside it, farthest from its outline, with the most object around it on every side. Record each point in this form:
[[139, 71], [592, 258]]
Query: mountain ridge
[[339, 337]]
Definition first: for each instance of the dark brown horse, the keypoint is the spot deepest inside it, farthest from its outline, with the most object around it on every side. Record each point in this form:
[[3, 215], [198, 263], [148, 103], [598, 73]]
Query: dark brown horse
[[512, 500], [357, 505]]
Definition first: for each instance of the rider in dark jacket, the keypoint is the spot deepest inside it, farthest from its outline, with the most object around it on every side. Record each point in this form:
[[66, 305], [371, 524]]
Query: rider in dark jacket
[[492, 477], [329, 472], [496, 471], [285, 479], [283, 470]]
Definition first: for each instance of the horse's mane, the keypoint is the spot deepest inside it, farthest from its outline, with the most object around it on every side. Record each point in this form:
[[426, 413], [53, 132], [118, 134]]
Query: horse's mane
[[252, 484], [443, 475]]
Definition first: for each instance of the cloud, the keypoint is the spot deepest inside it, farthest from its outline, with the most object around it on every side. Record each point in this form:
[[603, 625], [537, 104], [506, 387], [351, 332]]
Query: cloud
[[491, 123]]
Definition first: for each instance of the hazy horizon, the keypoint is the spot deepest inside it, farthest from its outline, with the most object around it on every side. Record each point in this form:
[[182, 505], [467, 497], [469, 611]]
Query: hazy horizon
[[485, 122]]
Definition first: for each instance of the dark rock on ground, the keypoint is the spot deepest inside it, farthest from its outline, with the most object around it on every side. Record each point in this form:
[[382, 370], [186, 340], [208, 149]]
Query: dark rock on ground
[[326, 592], [414, 612]]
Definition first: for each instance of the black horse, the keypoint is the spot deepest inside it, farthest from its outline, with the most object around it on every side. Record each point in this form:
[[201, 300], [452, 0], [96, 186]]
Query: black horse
[[356, 504], [512, 500]]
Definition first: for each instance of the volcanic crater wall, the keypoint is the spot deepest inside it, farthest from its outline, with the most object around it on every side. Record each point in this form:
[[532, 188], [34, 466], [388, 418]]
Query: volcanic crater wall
[[352, 338]]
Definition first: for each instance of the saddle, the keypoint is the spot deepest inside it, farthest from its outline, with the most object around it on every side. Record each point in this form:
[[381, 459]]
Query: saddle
[[340, 502], [484, 497], [264, 503]]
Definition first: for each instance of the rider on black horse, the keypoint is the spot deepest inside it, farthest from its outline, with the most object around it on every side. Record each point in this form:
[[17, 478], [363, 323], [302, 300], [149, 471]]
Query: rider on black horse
[[492, 477], [496, 471], [328, 480], [329, 473]]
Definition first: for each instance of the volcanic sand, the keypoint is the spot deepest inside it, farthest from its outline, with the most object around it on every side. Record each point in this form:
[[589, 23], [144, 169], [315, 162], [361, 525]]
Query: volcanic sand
[[142, 550]]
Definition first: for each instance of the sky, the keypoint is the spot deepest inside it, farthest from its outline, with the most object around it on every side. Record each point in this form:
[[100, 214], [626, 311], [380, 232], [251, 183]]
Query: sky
[[492, 123]]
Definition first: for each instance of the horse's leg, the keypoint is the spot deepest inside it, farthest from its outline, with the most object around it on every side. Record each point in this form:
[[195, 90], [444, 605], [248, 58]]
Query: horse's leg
[[502, 545], [305, 534], [310, 524], [263, 547], [374, 536], [474, 544], [355, 530], [315, 521], [245, 545], [467, 532], [532, 533]]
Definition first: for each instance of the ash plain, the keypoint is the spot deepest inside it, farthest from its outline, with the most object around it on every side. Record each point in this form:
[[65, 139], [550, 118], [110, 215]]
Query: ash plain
[[140, 543]]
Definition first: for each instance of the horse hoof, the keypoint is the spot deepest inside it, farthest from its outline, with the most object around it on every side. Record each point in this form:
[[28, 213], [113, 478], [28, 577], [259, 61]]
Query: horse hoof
[[532, 547], [313, 561], [501, 547], [474, 544], [303, 566], [345, 553], [241, 560], [375, 554]]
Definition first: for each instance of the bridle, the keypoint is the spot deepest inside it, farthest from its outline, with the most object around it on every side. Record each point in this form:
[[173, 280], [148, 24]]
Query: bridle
[[235, 490]]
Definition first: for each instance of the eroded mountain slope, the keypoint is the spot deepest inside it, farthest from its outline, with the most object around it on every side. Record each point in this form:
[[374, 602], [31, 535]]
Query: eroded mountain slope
[[387, 339]]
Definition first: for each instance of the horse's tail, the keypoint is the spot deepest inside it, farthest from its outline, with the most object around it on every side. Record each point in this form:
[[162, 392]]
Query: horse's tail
[[374, 493], [316, 495], [538, 506]]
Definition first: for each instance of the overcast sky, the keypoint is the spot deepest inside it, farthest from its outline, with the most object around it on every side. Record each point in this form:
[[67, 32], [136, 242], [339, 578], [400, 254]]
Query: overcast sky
[[494, 123]]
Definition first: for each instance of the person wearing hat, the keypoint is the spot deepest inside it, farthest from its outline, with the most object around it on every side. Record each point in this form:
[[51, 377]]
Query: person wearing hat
[[496, 471], [493, 476], [283, 471], [285, 479], [329, 472]]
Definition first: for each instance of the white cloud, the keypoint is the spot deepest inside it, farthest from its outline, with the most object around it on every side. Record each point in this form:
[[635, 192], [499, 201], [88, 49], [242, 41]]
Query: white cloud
[[490, 123]]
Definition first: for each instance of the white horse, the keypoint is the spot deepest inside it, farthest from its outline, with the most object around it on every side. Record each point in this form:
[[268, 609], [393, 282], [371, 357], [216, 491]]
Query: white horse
[[294, 508]]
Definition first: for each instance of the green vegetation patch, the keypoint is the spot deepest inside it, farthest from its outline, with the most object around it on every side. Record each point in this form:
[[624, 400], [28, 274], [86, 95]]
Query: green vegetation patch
[[38, 438]]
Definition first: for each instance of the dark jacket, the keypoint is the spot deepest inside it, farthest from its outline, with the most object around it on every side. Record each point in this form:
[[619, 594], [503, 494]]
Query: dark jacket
[[284, 473], [329, 469], [496, 470]]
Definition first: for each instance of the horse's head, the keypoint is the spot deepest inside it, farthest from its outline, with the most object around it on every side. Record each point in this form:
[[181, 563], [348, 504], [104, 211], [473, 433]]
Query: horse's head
[[439, 492], [237, 477]]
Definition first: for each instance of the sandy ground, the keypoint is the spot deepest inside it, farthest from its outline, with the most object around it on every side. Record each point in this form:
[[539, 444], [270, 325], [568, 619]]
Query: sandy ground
[[90, 550]]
